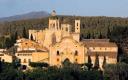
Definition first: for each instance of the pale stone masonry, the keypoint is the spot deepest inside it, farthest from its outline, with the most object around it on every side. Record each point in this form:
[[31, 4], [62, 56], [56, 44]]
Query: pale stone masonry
[[58, 42]]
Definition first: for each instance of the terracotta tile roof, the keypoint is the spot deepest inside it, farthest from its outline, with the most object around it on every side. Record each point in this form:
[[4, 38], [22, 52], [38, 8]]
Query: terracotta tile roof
[[98, 43]]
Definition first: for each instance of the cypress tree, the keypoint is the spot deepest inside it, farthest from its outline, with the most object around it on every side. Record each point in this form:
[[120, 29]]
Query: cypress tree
[[15, 36], [24, 33], [104, 62], [89, 64], [93, 35], [88, 35], [0, 66], [8, 43], [108, 33], [96, 65], [100, 36]]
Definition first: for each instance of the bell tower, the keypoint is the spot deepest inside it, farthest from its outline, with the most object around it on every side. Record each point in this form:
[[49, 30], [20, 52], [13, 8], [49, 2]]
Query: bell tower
[[54, 21], [77, 26]]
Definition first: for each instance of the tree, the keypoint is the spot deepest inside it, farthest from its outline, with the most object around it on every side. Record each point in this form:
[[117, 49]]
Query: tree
[[0, 66], [15, 37], [89, 64], [88, 35], [93, 35], [117, 71], [96, 65], [124, 58], [16, 64], [9, 73], [100, 36], [35, 64], [104, 62], [8, 43], [24, 33]]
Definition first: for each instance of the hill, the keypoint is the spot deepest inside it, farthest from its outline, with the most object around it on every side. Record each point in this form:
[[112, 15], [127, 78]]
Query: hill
[[30, 15]]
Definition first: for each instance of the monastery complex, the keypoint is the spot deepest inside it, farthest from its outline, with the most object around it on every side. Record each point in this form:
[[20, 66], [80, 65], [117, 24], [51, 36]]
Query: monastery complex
[[58, 42]]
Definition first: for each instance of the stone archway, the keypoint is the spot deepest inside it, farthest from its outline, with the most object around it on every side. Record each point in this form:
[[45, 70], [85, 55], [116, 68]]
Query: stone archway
[[66, 62]]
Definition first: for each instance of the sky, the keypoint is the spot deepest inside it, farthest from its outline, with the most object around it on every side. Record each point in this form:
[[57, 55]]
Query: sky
[[115, 8]]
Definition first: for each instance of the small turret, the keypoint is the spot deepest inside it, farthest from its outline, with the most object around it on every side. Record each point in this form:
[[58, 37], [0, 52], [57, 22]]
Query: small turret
[[53, 13]]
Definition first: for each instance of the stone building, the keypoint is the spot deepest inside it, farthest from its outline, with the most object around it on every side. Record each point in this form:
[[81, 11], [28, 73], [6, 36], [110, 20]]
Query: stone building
[[58, 42], [5, 57]]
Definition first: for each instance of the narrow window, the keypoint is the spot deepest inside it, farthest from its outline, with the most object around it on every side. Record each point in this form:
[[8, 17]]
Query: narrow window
[[58, 53], [76, 60], [76, 53], [77, 24], [54, 25], [26, 43]]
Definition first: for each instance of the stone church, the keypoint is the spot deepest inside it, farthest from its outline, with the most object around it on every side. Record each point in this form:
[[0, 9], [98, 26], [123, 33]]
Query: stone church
[[58, 42]]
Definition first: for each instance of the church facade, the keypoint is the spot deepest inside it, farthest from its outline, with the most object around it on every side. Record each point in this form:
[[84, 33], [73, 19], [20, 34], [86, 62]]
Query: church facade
[[58, 42]]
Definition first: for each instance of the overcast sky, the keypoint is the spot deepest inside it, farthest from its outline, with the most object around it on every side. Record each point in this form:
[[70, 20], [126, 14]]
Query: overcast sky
[[66, 7]]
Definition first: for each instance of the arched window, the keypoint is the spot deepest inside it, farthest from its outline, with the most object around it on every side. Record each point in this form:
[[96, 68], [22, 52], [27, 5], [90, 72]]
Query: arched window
[[77, 24], [25, 61], [66, 29], [76, 53], [54, 26], [58, 53]]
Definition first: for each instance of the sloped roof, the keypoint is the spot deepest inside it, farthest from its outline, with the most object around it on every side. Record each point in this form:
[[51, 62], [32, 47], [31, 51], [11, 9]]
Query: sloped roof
[[98, 43]]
